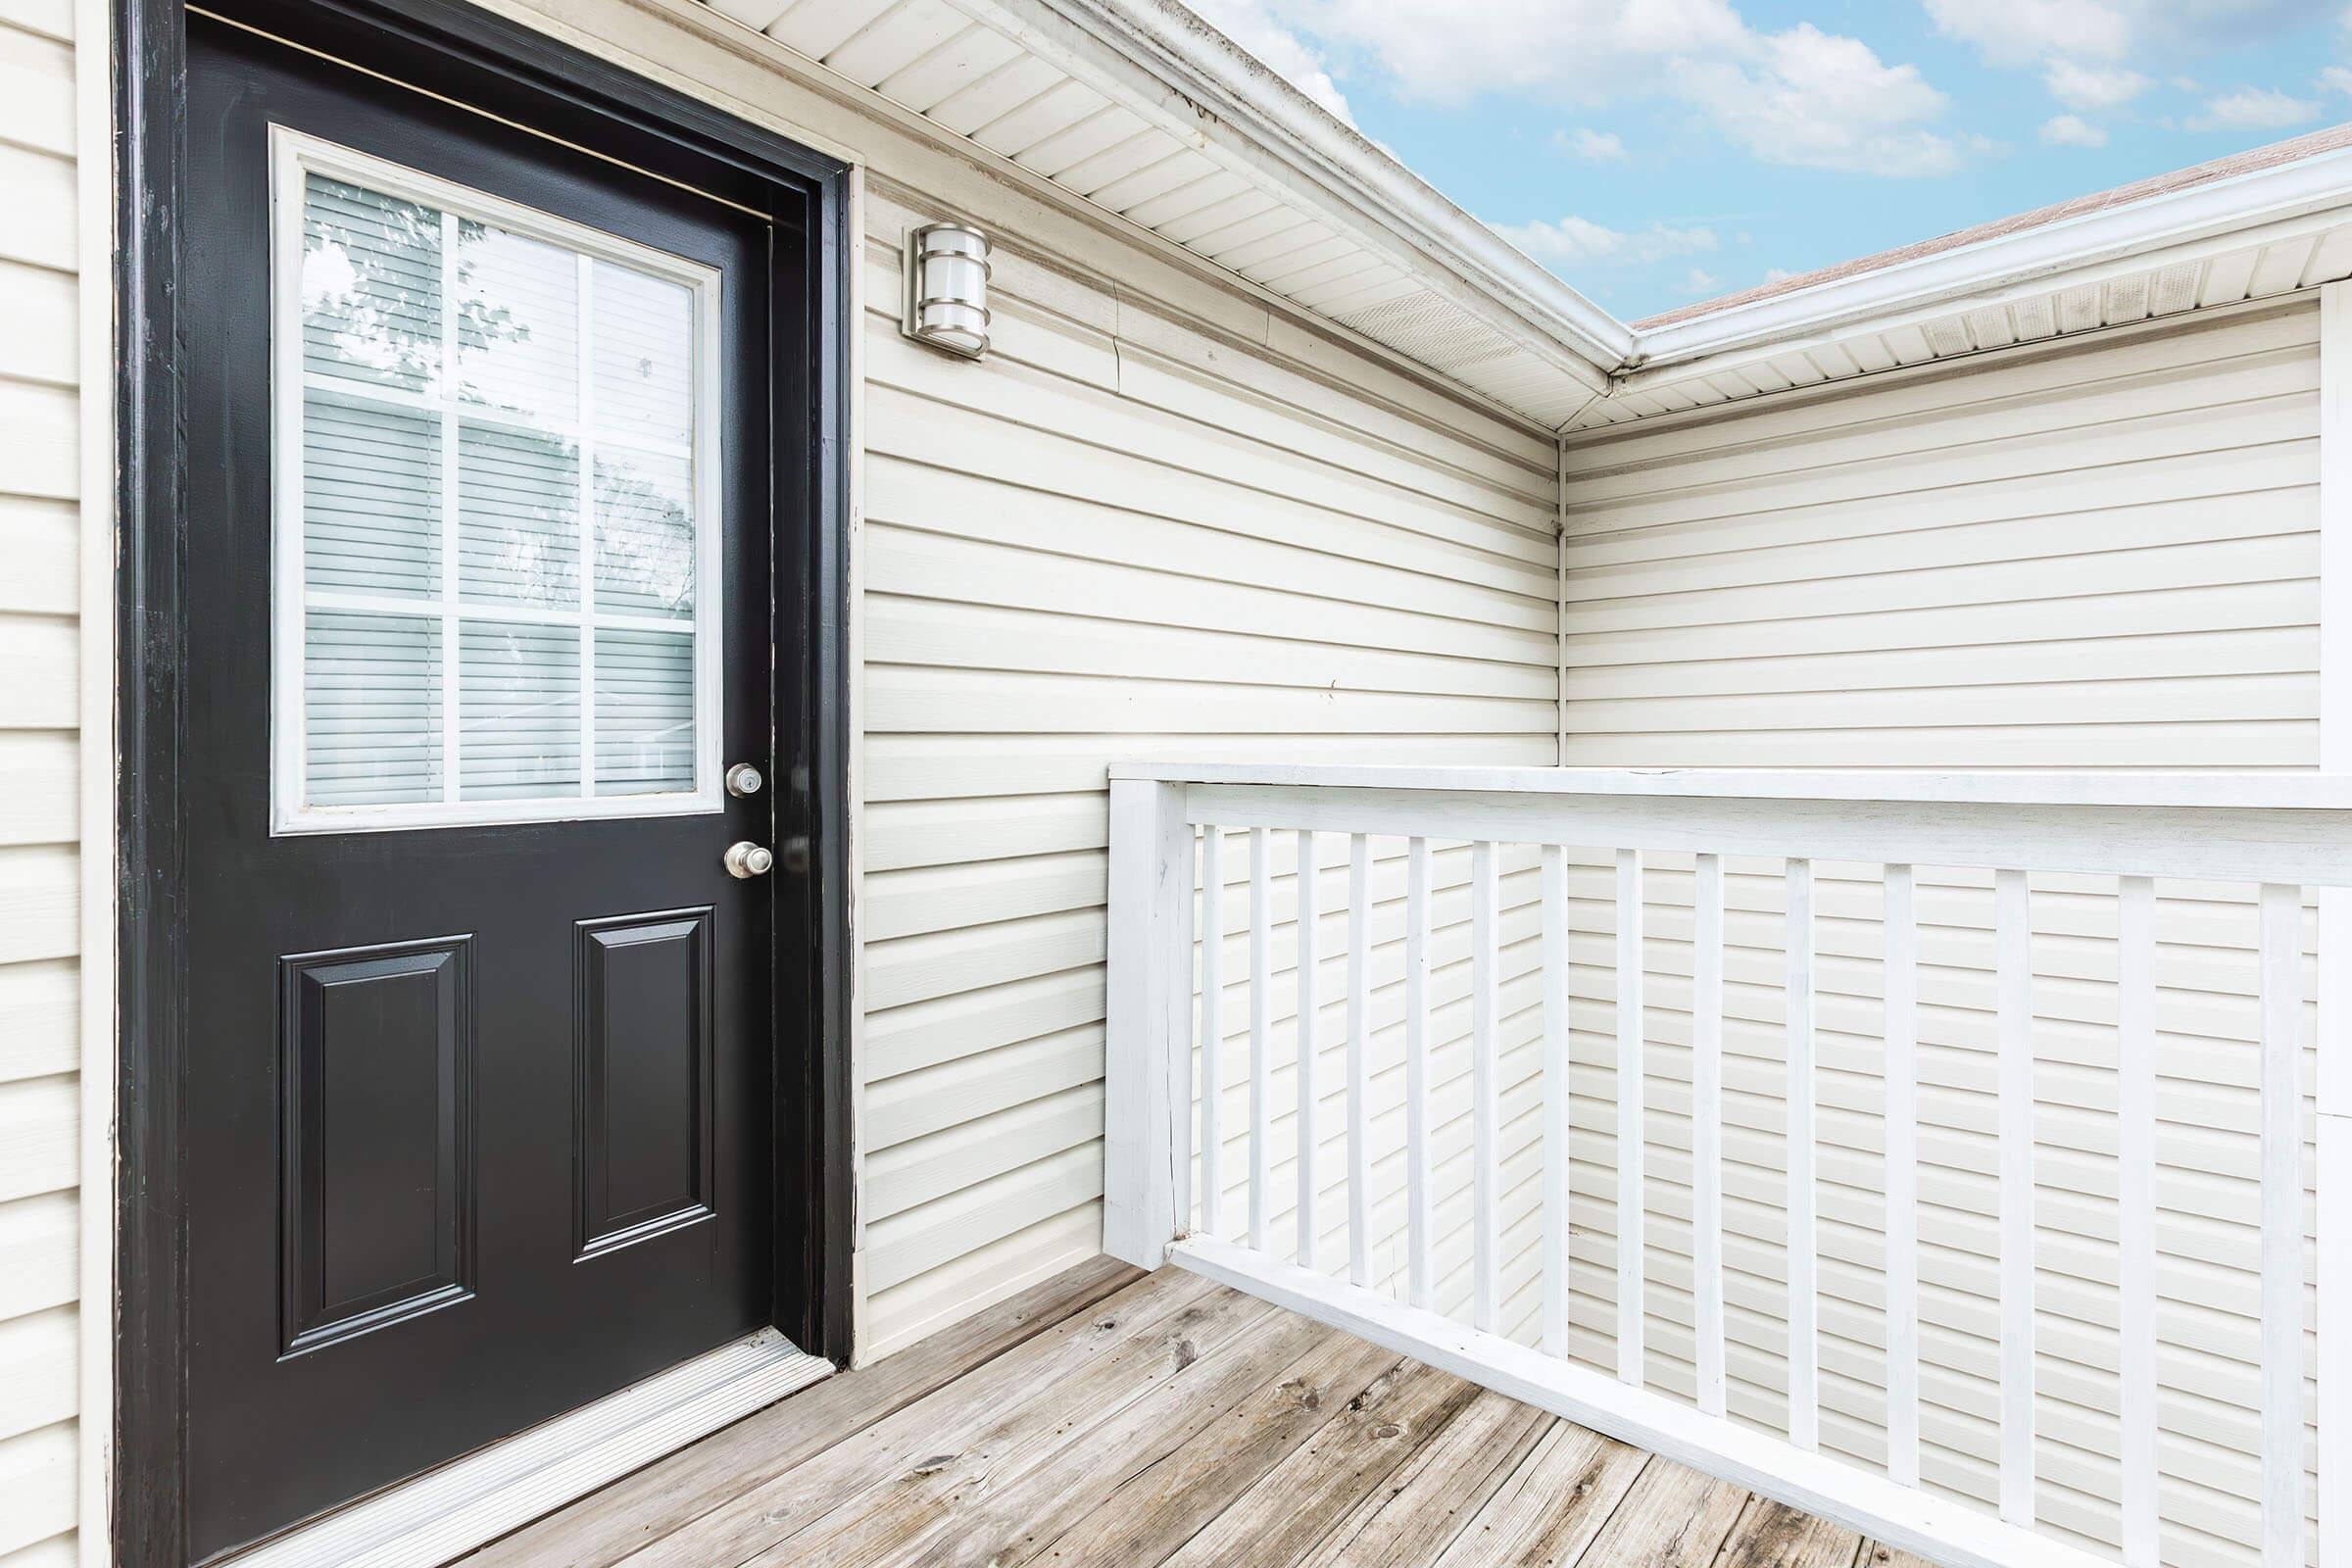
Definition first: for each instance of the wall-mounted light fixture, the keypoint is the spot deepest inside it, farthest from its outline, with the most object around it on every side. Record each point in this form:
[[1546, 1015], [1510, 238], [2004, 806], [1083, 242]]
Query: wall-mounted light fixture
[[946, 288]]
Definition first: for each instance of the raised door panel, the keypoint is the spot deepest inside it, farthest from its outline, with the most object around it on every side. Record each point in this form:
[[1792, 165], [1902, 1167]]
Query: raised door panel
[[643, 1055], [377, 1057]]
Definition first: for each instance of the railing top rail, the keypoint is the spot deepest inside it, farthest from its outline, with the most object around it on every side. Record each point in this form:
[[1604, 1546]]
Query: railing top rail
[[2222, 791]]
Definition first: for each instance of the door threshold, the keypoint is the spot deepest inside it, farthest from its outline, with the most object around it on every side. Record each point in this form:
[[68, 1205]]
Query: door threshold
[[448, 1512]]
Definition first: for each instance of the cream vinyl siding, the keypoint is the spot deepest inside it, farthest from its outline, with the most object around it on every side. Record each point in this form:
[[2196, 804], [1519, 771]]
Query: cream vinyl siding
[[40, 1109], [1121, 536], [2097, 555]]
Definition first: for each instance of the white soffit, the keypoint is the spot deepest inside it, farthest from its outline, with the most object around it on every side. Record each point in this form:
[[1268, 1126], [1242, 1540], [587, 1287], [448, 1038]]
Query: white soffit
[[1142, 109]]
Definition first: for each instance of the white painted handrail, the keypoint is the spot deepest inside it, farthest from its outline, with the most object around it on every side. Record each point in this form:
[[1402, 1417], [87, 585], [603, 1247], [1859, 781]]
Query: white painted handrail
[[1584, 1344]]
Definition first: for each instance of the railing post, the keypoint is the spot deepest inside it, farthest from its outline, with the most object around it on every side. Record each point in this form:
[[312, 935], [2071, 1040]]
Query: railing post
[[1147, 1102]]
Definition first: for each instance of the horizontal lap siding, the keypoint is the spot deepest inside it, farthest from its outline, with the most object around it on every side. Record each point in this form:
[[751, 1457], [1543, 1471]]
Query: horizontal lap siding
[[2100, 557], [1121, 537], [40, 1112]]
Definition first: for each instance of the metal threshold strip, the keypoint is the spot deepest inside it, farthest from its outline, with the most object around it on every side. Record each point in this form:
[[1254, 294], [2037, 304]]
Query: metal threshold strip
[[451, 1510]]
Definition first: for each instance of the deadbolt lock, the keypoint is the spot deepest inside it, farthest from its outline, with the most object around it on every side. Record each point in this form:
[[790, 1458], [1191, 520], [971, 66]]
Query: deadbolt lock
[[744, 779]]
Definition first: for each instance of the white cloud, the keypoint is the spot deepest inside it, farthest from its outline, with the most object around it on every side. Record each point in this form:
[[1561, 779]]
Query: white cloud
[[1592, 146], [1774, 274], [2254, 109], [1699, 280], [1581, 50], [2335, 78], [2072, 130], [1800, 96], [2082, 46], [1825, 101], [2018, 33], [1574, 239], [1249, 23], [2092, 87], [2023, 32]]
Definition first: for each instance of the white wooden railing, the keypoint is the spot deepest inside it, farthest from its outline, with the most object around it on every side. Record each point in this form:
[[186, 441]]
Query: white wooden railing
[[1174, 1157]]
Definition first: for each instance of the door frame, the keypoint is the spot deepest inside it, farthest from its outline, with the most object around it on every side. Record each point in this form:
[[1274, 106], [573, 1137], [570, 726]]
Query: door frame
[[555, 83]]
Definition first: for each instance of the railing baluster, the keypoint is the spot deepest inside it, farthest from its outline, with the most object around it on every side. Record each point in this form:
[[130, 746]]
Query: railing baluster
[[1630, 1117], [1556, 1100], [1212, 1029], [1416, 1069], [1901, 1180], [1707, 1123], [2333, 1179], [1261, 1165], [1360, 1058], [1484, 1133], [2135, 1190], [2013, 942], [1309, 1233], [1804, 1417], [2281, 1226]]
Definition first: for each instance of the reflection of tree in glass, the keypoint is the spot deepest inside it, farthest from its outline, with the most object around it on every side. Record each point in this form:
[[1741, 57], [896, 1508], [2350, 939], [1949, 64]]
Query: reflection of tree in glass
[[643, 542], [479, 323], [518, 498], [372, 288]]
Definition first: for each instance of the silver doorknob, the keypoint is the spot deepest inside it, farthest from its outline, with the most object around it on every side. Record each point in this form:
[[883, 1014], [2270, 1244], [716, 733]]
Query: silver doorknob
[[748, 859]]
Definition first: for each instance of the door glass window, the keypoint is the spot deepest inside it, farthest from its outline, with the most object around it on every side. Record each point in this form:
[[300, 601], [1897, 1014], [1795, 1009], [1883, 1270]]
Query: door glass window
[[497, 535]]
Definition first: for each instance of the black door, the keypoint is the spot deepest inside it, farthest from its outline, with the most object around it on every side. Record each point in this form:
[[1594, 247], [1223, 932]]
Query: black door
[[478, 1109]]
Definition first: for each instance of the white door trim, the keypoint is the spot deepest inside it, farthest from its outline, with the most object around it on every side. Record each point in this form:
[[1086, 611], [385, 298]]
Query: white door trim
[[451, 1510]]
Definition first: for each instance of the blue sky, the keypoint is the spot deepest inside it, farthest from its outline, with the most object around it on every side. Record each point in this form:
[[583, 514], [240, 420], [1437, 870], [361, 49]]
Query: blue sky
[[1658, 152]]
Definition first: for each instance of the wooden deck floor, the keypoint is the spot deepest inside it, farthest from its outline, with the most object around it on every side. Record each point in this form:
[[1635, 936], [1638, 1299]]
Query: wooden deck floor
[[1111, 1417]]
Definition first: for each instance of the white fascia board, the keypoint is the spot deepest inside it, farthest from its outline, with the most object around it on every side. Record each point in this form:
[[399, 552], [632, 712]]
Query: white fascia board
[[1902, 315], [1992, 267], [1162, 62]]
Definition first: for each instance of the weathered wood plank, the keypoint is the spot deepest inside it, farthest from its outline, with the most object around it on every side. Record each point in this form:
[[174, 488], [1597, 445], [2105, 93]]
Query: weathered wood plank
[[1286, 1515], [881, 1520], [1673, 1517], [1141, 1486], [1770, 1535], [610, 1524], [1411, 1517], [937, 1512], [1163, 1422], [1144, 1320], [1550, 1508]]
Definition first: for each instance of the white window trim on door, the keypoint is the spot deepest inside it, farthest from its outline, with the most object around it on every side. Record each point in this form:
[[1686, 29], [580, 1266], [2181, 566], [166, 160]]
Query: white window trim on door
[[293, 156]]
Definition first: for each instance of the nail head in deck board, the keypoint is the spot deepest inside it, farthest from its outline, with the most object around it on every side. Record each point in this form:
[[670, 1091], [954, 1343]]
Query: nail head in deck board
[[889, 1513], [667, 1495], [1878, 1555], [1153, 1510], [752, 1519], [1267, 1401], [1551, 1509], [1286, 1515], [1410, 1518]]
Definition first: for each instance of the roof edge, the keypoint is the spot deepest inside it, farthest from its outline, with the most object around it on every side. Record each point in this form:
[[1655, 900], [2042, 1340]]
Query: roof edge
[[1157, 56], [1989, 267], [1216, 97]]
